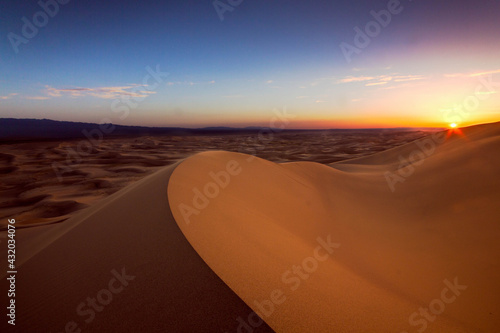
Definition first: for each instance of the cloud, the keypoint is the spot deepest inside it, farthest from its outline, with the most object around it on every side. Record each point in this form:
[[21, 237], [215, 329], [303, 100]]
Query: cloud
[[9, 96], [302, 97], [380, 79], [188, 83], [404, 78], [269, 81], [402, 85], [320, 101], [37, 98], [376, 80], [475, 74], [486, 92], [132, 90], [485, 73], [350, 79], [376, 83]]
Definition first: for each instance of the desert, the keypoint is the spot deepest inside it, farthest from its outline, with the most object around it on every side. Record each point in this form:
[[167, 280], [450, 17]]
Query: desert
[[232, 166], [285, 247]]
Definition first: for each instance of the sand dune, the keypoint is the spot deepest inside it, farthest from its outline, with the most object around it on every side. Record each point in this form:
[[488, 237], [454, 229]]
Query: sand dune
[[46, 182], [199, 245], [132, 234], [396, 250]]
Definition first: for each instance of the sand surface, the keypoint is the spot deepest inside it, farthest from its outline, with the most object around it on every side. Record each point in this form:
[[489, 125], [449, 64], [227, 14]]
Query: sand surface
[[45, 182], [309, 247], [172, 289], [393, 250]]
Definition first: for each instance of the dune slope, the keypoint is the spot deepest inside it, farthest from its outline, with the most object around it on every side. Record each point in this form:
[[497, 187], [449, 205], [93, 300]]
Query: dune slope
[[122, 265], [401, 241]]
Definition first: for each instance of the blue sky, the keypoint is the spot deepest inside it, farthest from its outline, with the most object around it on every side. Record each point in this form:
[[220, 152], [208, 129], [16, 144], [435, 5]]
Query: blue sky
[[431, 57]]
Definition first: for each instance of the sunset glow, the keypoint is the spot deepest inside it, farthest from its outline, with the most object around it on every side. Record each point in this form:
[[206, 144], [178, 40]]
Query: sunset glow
[[180, 64]]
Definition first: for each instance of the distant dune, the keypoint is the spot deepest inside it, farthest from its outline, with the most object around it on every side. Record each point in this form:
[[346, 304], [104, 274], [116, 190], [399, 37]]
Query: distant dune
[[405, 240], [395, 248], [48, 181]]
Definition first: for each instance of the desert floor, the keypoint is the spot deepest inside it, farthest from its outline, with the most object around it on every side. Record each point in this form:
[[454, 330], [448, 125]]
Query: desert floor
[[46, 182], [401, 237]]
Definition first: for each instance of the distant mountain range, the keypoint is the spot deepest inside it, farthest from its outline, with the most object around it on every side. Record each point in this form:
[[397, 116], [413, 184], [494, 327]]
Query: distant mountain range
[[28, 129], [12, 129]]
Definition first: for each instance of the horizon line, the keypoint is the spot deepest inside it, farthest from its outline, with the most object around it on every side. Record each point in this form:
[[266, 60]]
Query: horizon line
[[241, 127]]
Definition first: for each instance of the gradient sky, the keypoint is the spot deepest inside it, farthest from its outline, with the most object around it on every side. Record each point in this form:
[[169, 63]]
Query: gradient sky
[[436, 62]]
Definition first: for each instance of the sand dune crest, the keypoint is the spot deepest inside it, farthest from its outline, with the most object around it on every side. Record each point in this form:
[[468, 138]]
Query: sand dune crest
[[399, 251]]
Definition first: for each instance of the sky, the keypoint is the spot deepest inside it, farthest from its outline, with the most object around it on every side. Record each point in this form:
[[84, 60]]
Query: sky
[[197, 63]]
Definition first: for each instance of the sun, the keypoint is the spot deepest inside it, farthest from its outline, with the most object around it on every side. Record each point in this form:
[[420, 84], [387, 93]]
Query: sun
[[453, 125]]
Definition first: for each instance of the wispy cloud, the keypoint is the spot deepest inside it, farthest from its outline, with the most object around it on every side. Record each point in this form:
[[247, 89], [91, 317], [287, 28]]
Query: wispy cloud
[[404, 78], [485, 73], [188, 83], [269, 81], [9, 96], [402, 85], [380, 79], [486, 92], [350, 79], [389, 81], [473, 74], [37, 98], [133, 90], [376, 83]]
